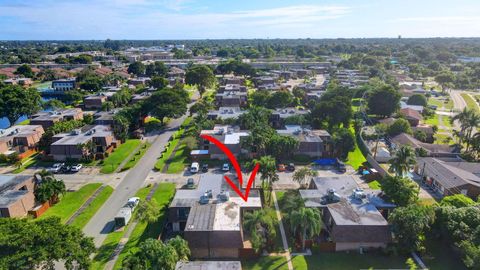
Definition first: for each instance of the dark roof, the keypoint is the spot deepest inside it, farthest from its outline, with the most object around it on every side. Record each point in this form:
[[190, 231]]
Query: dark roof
[[411, 113], [201, 217], [406, 139], [449, 174]]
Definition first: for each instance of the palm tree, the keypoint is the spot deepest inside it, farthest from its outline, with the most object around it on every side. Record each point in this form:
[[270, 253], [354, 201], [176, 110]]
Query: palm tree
[[403, 160], [307, 221], [148, 211], [49, 189], [261, 227], [469, 120], [268, 171], [302, 174]]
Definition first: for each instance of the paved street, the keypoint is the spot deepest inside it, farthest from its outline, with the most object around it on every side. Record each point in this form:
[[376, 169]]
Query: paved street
[[102, 222]]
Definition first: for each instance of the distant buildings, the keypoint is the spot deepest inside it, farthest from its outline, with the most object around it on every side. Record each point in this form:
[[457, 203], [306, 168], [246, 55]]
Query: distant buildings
[[26, 82], [96, 101], [64, 84], [225, 113], [278, 116], [353, 217], [210, 218]]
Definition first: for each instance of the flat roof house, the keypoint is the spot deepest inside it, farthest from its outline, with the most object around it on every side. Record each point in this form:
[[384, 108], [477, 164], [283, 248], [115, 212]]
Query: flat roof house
[[225, 113], [352, 216], [231, 99], [96, 101], [232, 88], [68, 145], [20, 138], [313, 143], [48, 119], [449, 177], [64, 84], [210, 217], [230, 136], [16, 195], [279, 115], [104, 118]]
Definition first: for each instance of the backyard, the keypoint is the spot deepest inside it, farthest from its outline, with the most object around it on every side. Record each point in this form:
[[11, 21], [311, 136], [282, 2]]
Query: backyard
[[111, 163]]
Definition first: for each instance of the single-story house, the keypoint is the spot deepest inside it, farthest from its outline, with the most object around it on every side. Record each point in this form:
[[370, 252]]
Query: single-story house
[[20, 138], [16, 195]]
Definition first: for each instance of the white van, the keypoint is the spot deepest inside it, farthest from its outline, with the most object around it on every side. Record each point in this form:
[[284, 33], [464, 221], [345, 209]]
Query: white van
[[195, 167]]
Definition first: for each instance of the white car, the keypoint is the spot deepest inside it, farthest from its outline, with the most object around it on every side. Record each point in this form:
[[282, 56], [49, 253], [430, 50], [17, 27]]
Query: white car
[[225, 167], [76, 168], [56, 168], [195, 167], [133, 202]]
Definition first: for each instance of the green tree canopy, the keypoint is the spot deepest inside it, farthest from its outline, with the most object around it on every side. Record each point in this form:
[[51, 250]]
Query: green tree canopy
[[200, 75], [25, 70], [16, 101], [383, 101], [399, 126], [401, 191], [417, 99]]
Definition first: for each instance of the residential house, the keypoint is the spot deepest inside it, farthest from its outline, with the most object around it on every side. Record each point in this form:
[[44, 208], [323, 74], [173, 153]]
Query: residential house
[[26, 82], [418, 108], [232, 88], [176, 75], [20, 138], [209, 265], [277, 119], [75, 145], [140, 97], [231, 99], [313, 143], [412, 116], [210, 218], [431, 150], [64, 84], [354, 218], [96, 101], [450, 176], [225, 113], [139, 81], [104, 118], [230, 136], [48, 119], [16, 195]]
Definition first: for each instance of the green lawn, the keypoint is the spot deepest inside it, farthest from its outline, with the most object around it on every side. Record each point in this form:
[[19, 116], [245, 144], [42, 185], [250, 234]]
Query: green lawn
[[165, 155], [136, 157], [347, 261], [440, 138], [27, 162], [439, 256], [356, 157], [111, 163], [88, 213], [374, 185], [162, 196], [471, 103], [265, 263], [24, 122], [178, 162], [433, 121], [113, 238], [160, 164], [71, 202]]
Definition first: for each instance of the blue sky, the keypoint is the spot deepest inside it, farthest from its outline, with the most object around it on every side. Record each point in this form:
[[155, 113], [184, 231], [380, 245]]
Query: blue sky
[[199, 19]]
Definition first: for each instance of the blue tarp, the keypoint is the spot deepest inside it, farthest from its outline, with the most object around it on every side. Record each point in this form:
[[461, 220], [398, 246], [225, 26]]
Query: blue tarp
[[325, 162]]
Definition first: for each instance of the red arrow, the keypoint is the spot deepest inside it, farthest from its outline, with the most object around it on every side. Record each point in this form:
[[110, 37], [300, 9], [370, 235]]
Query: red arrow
[[236, 166]]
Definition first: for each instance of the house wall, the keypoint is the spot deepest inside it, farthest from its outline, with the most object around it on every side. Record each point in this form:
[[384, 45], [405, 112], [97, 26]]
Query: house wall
[[214, 244], [21, 207]]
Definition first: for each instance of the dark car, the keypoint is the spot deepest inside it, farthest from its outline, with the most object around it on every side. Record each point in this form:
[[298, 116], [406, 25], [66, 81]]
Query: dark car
[[205, 168], [291, 167], [341, 166]]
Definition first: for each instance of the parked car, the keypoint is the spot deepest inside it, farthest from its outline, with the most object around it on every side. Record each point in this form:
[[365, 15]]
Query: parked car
[[194, 167], [190, 183], [291, 167], [205, 168], [56, 168], [281, 167], [133, 202], [76, 168], [341, 166], [226, 167]]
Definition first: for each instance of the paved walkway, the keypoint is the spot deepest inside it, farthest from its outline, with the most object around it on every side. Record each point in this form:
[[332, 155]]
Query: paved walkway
[[282, 232], [86, 204]]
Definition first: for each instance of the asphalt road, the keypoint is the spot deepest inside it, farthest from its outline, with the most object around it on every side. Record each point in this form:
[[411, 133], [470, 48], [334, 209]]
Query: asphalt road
[[102, 222]]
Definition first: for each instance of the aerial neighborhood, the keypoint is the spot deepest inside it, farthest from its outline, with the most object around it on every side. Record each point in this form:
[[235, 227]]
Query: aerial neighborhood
[[144, 154]]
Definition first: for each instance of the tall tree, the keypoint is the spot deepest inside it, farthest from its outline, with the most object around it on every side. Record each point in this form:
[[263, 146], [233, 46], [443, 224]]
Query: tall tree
[[49, 189], [200, 75], [25, 70], [268, 172], [344, 142], [167, 103], [261, 226], [16, 101], [401, 191], [137, 68], [383, 101], [403, 160], [307, 222], [26, 244]]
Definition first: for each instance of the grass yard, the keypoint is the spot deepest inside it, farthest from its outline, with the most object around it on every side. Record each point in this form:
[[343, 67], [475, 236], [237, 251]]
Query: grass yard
[[439, 256], [71, 202], [266, 263], [433, 121], [356, 158], [88, 213], [162, 196], [440, 138], [375, 185], [178, 162], [27, 162], [136, 157], [471, 103], [24, 122], [111, 163], [113, 238], [165, 155], [348, 261], [160, 164]]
